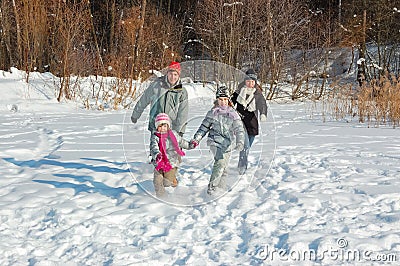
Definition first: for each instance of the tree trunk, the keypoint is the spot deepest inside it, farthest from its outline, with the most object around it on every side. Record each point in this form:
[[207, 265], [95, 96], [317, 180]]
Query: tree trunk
[[138, 40], [96, 43], [362, 75], [272, 52], [19, 42]]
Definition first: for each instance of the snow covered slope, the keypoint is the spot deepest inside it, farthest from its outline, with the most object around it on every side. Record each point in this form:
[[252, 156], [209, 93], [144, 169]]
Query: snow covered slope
[[76, 189]]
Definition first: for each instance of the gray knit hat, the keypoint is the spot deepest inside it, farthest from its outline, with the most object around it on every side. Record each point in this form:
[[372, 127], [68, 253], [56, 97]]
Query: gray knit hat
[[222, 91], [251, 74]]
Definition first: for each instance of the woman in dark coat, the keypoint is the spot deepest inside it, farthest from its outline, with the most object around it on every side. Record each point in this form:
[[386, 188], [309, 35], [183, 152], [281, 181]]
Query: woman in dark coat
[[251, 105]]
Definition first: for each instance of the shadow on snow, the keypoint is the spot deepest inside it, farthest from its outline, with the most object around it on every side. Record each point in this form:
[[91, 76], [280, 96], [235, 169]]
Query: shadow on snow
[[88, 184], [94, 187], [66, 165]]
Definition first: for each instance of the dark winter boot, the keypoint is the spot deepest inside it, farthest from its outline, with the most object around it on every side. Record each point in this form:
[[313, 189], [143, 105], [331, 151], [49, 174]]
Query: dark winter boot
[[242, 170], [242, 165], [210, 189]]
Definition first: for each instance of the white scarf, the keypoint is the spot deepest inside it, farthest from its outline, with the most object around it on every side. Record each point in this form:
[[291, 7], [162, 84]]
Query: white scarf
[[246, 98]]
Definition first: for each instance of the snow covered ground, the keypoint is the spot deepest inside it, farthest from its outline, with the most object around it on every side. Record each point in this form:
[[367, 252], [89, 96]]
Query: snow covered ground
[[76, 189]]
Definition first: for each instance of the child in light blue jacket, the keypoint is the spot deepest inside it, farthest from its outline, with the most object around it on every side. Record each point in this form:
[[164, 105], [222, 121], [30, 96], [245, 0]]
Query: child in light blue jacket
[[225, 133]]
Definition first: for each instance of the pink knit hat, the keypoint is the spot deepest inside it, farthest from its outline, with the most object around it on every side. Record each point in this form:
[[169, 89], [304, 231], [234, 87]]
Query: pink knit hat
[[162, 118]]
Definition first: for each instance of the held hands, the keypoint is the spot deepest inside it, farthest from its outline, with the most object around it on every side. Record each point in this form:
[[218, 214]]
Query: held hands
[[158, 158], [193, 144]]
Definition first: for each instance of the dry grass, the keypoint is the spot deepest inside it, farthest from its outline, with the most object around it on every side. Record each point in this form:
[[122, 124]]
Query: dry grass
[[375, 103]]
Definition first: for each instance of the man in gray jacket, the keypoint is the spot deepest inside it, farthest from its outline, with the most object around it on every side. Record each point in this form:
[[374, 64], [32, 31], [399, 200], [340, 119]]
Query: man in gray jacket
[[165, 95]]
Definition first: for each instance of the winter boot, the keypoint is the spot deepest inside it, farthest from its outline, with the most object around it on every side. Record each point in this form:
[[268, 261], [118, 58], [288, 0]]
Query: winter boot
[[170, 178], [242, 170], [242, 165], [222, 181], [175, 182], [210, 190], [158, 184]]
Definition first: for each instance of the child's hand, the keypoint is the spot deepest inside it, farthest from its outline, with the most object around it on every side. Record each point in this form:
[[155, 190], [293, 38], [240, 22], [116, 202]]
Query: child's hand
[[158, 158], [193, 144], [263, 118]]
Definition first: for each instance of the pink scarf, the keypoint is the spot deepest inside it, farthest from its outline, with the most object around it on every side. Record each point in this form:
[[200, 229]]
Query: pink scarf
[[227, 111], [164, 163]]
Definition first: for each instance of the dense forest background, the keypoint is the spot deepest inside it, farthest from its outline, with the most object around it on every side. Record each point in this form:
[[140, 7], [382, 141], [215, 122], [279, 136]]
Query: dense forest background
[[127, 38]]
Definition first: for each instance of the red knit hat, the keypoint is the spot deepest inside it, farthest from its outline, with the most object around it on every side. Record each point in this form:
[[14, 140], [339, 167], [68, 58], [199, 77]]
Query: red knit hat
[[175, 66], [162, 118]]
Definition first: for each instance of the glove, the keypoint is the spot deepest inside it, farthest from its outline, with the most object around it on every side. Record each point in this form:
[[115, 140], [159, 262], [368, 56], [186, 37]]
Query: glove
[[134, 120], [263, 118], [193, 144], [180, 134], [239, 147]]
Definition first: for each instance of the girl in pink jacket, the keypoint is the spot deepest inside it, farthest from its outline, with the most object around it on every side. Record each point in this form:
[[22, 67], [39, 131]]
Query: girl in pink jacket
[[165, 149]]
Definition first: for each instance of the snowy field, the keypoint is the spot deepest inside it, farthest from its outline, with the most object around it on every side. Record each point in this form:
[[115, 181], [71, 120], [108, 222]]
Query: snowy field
[[76, 189]]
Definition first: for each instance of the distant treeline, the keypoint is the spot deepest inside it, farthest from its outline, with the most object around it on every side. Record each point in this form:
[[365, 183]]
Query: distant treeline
[[128, 38]]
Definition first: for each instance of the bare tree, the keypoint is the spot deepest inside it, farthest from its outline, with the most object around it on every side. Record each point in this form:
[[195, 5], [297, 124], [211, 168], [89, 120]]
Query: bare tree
[[28, 23], [219, 24], [18, 28], [253, 33], [72, 34], [278, 27], [367, 23], [138, 36], [7, 56]]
